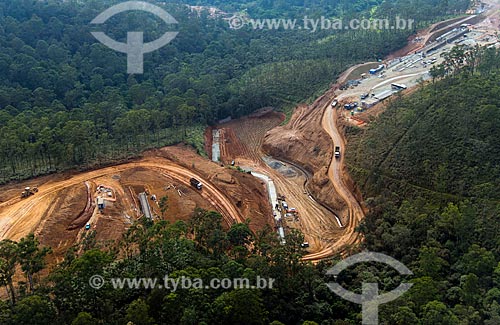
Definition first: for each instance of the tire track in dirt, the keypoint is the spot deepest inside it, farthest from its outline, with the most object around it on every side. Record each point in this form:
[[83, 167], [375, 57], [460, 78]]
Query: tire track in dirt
[[316, 222], [336, 171], [85, 215], [18, 218], [336, 174]]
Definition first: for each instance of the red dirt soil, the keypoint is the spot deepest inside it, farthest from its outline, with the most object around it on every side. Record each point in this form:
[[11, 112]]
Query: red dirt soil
[[242, 140], [57, 214]]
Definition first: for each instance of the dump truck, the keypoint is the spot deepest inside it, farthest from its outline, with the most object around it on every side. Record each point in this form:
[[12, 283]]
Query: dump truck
[[28, 191], [337, 152], [196, 183]]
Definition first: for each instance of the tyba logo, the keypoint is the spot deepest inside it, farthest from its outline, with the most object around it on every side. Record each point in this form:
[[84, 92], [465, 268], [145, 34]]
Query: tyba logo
[[135, 47]]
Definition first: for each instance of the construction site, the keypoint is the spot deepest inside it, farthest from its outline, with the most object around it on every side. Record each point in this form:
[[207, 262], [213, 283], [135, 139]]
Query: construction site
[[287, 175], [366, 87], [108, 201]]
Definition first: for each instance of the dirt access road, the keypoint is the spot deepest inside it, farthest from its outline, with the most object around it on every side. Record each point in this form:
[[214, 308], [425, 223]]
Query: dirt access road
[[336, 171], [18, 216], [336, 174], [307, 141], [241, 140]]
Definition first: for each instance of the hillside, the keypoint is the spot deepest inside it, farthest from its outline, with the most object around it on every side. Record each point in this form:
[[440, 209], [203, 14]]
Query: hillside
[[429, 171], [444, 139], [66, 100], [175, 238]]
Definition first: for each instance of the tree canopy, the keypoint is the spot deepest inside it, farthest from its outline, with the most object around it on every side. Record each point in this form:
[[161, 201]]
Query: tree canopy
[[66, 100]]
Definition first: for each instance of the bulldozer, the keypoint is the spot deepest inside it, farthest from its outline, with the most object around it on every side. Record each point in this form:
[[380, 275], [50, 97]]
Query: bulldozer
[[28, 191]]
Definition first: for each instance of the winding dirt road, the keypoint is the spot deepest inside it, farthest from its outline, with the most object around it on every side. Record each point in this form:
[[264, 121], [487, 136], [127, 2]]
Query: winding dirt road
[[336, 171], [336, 174], [19, 217]]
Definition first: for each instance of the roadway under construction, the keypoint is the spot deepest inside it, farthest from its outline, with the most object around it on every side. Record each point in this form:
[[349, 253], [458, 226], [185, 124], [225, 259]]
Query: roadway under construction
[[327, 209]]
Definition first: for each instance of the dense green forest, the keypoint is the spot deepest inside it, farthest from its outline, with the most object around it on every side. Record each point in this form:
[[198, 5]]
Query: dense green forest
[[430, 172], [445, 232], [66, 100]]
